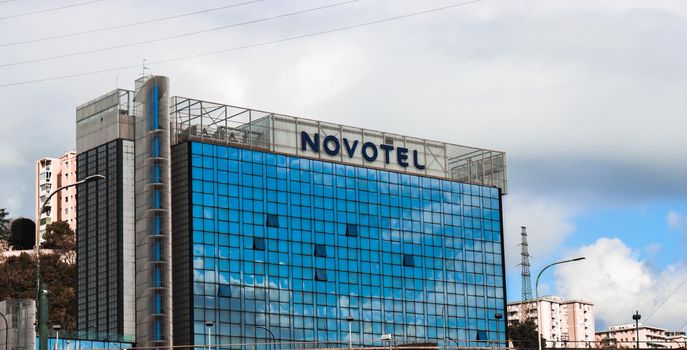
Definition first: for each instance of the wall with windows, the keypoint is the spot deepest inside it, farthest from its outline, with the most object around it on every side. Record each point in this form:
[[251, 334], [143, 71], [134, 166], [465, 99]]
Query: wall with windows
[[295, 246], [104, 240]]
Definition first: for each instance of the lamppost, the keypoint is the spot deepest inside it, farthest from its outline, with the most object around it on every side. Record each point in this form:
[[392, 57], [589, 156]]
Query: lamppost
[[42, 293], [498, 316], [7, 331], [637, 317], [453, 340], [56, 328], [349, 319], [208, 325], [536, 291], [274, 340]]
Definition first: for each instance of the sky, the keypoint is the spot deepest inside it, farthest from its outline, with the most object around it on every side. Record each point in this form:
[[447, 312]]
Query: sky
[[587, 98]]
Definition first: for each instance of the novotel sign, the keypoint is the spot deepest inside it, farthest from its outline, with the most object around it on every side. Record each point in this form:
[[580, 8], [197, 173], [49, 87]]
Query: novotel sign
[[370, 151]]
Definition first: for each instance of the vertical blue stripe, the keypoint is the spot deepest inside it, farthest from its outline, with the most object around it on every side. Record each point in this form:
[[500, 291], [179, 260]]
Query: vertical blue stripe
[[157, 277], [155, 149], [157, 251], [156, 225], [156, 104], [157, 330], [156, 199]]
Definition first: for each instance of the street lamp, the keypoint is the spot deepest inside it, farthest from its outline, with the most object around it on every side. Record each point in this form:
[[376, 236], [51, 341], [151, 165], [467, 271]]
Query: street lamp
[[56, 328], [208, 325], [637, 317], [274, 340], [7, 331], [43, 320], [349, 319], [453, 340], [498, 316], [536, 290]]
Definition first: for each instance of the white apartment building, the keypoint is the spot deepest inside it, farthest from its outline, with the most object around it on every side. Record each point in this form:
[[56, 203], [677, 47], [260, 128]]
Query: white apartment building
[[564, 323], [625, 336], [52, 173], [676, 339]]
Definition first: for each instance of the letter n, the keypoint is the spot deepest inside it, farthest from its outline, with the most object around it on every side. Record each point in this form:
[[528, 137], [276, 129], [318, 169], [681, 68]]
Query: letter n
[[306, 140]]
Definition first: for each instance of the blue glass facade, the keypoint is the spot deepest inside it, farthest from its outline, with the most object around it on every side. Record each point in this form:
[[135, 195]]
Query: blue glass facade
[[297, 245], [83, 344]]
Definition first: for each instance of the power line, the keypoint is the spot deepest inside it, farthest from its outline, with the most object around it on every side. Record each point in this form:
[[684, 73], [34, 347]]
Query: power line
[[104, 29], [86, 52], [665, 300], [75, 75], [49, 9], [181, 58]]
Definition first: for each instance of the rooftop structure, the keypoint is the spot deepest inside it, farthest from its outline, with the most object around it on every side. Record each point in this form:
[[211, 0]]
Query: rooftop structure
[[197, 120]]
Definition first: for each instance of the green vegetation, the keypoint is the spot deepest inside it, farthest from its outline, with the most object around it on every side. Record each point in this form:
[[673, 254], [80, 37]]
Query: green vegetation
[[524, 335], [58, 269], [4, 225]]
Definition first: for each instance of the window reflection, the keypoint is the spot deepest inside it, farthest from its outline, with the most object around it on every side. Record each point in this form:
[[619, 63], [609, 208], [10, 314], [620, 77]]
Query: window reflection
[[402, 254]]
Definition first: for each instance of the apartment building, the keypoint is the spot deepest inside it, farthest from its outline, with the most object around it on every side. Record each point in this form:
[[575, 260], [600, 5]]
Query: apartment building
[[52, 173], [564, 323]]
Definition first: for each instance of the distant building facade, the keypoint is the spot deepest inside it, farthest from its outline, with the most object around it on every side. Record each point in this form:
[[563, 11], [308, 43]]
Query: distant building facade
[[625, 336], [676, 339], [52, 173], [564, 323]]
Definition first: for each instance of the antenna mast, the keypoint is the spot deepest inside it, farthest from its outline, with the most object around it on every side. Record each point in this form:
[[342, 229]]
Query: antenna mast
[[144, 68], [526, 288]]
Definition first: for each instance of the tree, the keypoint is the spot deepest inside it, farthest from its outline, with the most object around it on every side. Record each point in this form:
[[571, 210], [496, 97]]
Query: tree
[[18, 281], [62, 239], [524, 335], [4, 225], [22, 234]]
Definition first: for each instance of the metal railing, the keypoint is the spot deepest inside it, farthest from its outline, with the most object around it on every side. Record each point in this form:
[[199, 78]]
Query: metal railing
[[421, 345], [203, 121]]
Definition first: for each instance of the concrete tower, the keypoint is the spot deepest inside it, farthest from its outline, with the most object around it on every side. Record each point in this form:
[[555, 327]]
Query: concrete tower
[[153, 216]]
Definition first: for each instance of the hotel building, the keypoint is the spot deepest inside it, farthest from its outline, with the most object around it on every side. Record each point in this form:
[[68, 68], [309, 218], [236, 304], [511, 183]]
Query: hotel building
[[255, 227]]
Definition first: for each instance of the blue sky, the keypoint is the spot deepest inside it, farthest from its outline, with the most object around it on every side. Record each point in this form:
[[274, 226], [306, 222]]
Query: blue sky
[[586, 97], [644, 228], [654, 232]]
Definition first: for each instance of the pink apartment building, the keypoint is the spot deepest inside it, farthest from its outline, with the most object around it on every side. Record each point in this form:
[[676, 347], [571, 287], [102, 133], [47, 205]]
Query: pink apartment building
[[52, 173], [564, 323], [624, 336]]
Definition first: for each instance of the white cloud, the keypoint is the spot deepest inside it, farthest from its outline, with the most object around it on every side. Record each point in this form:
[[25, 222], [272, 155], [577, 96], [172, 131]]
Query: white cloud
[[677, 221], [591, 90], [618, 282], [548, 223], [653, 249]]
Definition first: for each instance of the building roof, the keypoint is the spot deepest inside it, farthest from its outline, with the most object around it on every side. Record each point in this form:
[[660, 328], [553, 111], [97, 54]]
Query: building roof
[[551, 298], [204, 121]]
